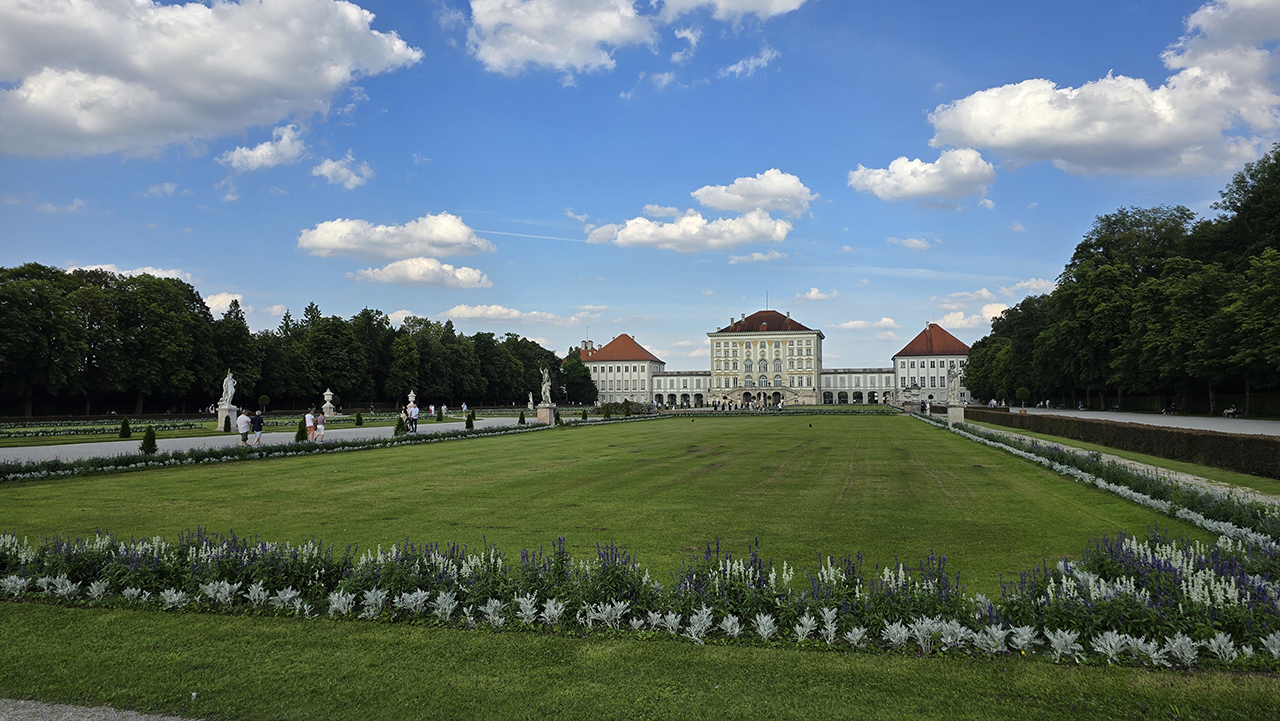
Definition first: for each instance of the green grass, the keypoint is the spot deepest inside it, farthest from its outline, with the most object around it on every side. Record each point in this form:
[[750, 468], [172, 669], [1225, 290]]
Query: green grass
[[886, 486], [883, 485], [265, 668], [1269, 486]]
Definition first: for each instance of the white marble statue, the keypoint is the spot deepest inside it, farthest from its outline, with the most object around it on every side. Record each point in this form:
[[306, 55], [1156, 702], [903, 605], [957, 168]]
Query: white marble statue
[[546, 387], [228, 390], [953, 386], [530, 400]]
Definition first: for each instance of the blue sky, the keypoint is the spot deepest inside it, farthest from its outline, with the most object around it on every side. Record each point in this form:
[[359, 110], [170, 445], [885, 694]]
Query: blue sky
[[552, 166]]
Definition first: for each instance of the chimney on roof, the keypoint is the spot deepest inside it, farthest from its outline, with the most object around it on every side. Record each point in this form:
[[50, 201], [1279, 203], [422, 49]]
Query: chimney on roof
[[788, 315], [744, 316], [764, 326]]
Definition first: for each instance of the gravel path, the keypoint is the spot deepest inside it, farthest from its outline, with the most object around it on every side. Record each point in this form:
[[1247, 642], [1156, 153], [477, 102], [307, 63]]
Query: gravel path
[[1179, 476], [106, 449], [12, 710], [1245, 426]]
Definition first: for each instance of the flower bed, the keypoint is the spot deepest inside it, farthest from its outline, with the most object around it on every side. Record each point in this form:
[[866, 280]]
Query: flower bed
[[1158, 602], [98, 429]]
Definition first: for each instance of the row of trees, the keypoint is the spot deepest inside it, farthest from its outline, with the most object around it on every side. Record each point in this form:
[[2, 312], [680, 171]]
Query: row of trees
[[97, 336], [1154, 301]]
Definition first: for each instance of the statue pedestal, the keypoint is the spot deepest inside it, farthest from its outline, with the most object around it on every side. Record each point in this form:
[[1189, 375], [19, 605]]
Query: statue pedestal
[[224, 413], [955, 414], [546, 413], [328, 410]]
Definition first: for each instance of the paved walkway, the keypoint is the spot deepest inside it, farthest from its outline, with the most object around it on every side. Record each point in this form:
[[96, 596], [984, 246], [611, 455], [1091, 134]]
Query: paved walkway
[[1147, 468], [106, 449], [1246, 426], [11, 710]]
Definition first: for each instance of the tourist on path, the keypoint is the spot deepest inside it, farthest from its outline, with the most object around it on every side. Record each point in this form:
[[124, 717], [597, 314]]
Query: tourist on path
[[413, 417], [243, 425], [319, 427], [257, 429], [311, 425]]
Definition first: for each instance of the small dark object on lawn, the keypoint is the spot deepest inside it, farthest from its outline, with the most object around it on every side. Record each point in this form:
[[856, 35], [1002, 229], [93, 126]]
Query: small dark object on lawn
[[811, 425]]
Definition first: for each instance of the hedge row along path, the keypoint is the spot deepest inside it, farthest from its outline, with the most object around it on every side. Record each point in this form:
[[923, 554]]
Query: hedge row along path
[[1178, 476], [1218, 424], [117, 448]]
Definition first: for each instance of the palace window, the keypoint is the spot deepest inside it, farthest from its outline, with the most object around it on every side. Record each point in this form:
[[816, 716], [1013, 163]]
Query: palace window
[[777, 366], [808, 365], [791, 365], [735, 365], [684, 382], [933, 364], [902, 364], [641, 384]]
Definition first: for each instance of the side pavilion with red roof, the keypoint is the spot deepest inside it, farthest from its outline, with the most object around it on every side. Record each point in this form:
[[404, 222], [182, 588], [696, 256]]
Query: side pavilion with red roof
[[923, 364]]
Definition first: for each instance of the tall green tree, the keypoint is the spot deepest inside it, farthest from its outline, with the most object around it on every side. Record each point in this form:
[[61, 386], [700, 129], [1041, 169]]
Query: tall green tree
[[238, 352], [405, 364], [42, 344]]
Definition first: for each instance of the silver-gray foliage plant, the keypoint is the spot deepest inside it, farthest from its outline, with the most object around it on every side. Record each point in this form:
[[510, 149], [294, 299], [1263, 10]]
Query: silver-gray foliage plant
[[528, 611], [1024, 638], [1223, 647], [829, 630], [699, 625], [492, 610], [1062, 643], [373, 600], [990, 640], [1110, 644], [552, 610], [172, 598], [14, 585], [1271, 642], [896, 634], [444, 604], [805, 626], [341, 603], [855, 636], [284, 598], [765, 626], [1184, 650], [98, 590], [731, 626], [257, 594]]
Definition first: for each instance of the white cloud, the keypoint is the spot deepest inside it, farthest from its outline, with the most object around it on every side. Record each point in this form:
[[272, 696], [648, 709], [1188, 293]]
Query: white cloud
[[424, 271], [585, 314], [756, 257], [157, 190], [98, 76], [708, 292], [76, 206], [910, 243], [219, 303], [431, 235], [1017, 227], [884, 322], [344, 172], [886, 335], [274, 310], [1030, 286], [691, 232], [987, 203], [749, 66], [398, 317], [1205, 117], [565, 35], [692, 35], [957, 319], [660, 211], [815, 294], [148, 270], [956, 174], [662, 80], [770, 190], [284, 148], [733, 10], [581, 218]]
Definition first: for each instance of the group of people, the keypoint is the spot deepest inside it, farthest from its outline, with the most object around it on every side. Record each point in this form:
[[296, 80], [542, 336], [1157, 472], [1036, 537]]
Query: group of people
[[315, 425], [411, 412], [246, 424]]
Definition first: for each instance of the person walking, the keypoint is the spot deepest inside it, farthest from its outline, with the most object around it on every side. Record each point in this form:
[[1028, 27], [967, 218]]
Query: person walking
[[311, 424], [319, 427], [257, 428], [413, 417], [243, 424]]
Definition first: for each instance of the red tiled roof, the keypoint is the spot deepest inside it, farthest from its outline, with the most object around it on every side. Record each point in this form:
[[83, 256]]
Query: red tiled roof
[[622, 348], [934, 340], [763, 322]]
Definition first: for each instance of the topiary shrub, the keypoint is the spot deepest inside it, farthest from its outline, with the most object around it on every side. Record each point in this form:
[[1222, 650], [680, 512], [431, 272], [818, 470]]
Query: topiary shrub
[[359, 418], [148, 445], [521, 421], [557, 418], [263, 400], [226, 424], [584, 414], [608, 413], [401, 428], [440, 414], [1022, 394], [301, 434], [471, 421], [124, 428]]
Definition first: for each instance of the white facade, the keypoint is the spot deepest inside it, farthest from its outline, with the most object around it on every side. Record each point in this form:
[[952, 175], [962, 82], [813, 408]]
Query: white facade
[[752, 363]]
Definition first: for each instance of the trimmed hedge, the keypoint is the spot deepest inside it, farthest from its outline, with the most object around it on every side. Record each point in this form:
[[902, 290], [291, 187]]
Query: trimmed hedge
[[1255, 455]]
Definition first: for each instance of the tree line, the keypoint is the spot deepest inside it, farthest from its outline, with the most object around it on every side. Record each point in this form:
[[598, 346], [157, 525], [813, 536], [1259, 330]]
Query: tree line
[[98, 337], [1154, 301]]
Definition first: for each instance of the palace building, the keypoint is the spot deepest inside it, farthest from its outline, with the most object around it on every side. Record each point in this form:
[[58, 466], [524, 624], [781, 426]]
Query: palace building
[[769, 358]]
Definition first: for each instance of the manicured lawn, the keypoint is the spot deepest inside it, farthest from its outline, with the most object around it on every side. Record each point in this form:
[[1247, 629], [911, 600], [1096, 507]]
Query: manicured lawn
[[1270, 486], [886, 486], [265, 668], [139, 427]]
